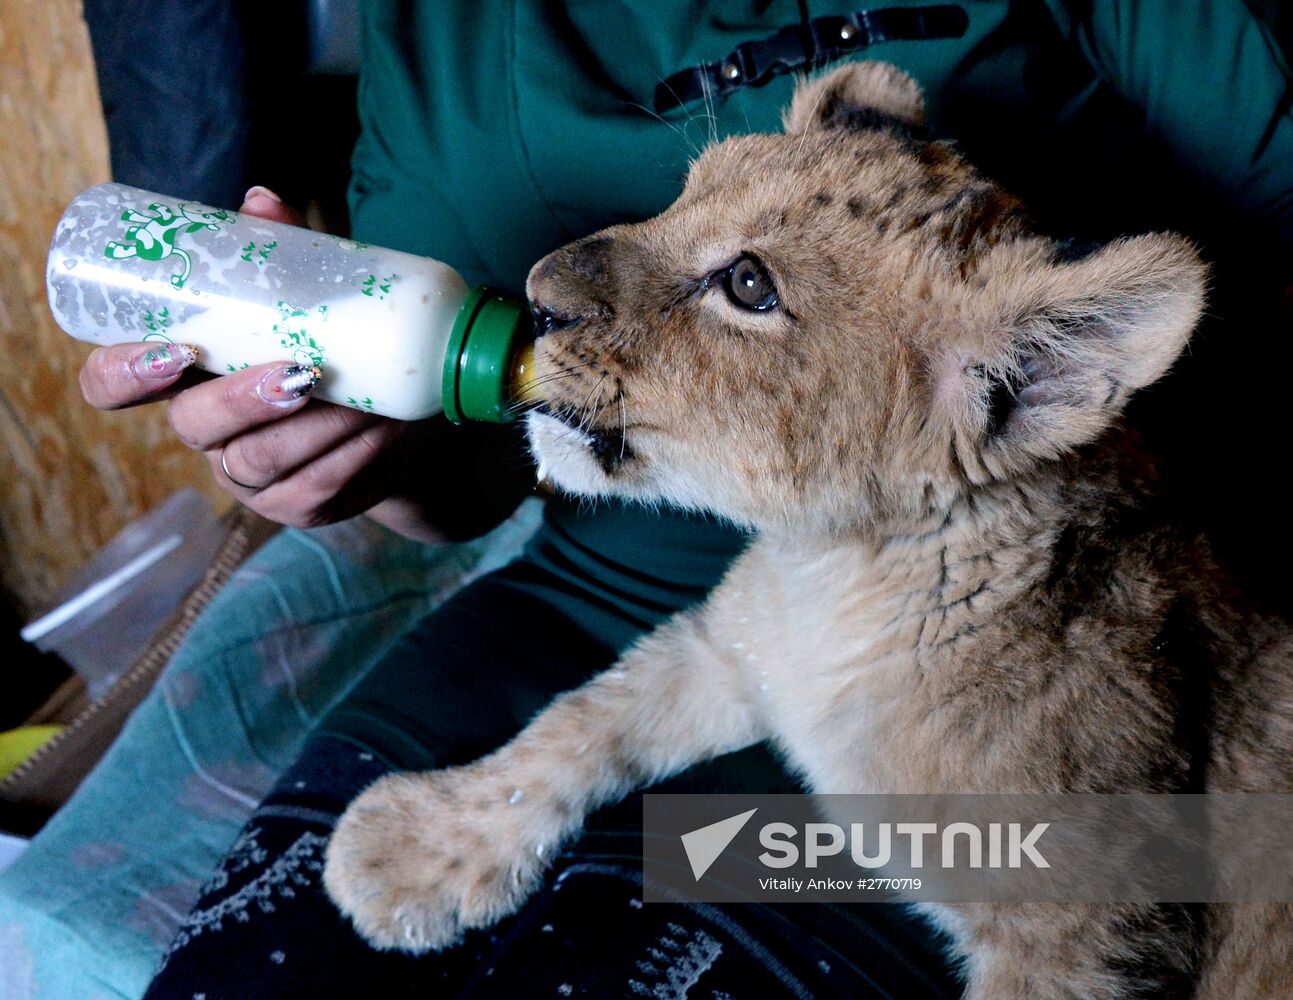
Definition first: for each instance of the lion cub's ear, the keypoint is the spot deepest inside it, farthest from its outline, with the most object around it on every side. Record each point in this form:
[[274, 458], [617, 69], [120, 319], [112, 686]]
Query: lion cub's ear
[[1066, 343], [860, 95]]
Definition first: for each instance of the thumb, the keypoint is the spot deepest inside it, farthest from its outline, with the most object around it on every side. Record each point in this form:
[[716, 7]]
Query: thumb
[[265, 204]]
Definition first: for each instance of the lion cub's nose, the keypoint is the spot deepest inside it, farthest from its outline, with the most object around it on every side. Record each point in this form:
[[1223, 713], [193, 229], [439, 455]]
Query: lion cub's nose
[[571, 284]]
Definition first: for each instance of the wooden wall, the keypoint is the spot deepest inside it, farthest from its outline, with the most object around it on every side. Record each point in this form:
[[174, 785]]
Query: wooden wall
[[70, 477]]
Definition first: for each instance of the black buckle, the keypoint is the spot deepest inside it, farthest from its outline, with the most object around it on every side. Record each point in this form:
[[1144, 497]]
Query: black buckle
[[817, 41], [759, 61]]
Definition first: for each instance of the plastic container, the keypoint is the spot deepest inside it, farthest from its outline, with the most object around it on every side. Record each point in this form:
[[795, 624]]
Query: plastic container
[[390, 332], [103, 619]]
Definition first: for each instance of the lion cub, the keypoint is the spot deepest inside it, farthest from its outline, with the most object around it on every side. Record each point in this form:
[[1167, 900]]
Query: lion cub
[[963, 580]]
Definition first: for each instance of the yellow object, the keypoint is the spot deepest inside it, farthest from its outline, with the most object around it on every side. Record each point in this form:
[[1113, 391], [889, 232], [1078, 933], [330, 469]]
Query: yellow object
[[17, 745], [525, 387]]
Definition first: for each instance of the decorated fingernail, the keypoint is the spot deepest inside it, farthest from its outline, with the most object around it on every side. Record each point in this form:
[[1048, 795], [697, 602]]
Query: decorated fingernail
[[165, 360], [284, 386]]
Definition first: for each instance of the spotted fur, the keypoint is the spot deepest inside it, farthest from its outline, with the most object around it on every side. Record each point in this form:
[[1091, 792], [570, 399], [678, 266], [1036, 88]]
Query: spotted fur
[[966, 576]]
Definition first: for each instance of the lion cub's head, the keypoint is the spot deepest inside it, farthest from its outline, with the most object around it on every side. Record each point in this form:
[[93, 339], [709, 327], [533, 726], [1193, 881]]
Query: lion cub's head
[[840, 325]]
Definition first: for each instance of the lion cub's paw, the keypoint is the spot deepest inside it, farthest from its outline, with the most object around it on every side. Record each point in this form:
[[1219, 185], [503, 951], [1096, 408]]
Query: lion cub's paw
[[418, 859]]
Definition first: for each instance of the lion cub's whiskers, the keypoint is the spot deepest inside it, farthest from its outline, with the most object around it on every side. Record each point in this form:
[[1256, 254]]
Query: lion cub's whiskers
[[525, 405], [624, 425], [534, 383]]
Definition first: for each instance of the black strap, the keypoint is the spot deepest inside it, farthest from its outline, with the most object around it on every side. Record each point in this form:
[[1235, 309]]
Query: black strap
[[803, 46]]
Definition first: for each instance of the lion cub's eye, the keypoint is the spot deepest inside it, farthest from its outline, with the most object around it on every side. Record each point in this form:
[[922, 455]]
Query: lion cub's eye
[[749, 286]]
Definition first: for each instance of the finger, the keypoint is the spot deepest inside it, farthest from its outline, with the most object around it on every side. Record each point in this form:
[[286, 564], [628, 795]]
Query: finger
[[265, 204], [339, 484], [269, 453], [125, 374], [209, 414]]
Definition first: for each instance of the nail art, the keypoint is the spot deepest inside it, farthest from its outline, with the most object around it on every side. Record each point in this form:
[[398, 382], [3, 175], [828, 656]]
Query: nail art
[[284, 386], [165, 360]]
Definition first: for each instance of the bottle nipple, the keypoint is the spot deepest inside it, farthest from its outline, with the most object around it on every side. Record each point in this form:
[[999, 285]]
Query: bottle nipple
[[524, 386]]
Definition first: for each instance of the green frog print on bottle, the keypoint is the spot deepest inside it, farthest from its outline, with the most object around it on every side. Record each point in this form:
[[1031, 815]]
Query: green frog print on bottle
[[153, 236]]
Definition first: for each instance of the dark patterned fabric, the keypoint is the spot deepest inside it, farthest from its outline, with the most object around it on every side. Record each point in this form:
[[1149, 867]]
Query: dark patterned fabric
[[264, 927], [463, 681]]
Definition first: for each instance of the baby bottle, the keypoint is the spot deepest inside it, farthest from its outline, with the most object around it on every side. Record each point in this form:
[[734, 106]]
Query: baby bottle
[[389, 332]]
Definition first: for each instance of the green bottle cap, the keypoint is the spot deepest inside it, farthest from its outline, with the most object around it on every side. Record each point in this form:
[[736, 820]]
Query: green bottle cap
[[478, 366]]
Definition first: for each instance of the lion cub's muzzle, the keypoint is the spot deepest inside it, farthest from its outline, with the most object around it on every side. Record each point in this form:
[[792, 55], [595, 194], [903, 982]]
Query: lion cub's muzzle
[[607, 443], [581, 384]]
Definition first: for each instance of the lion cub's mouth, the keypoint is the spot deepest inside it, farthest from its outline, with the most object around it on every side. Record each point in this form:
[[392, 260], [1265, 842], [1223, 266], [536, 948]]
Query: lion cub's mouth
[[606, 444]]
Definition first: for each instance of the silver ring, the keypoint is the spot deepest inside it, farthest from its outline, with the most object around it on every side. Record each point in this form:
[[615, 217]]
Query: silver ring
[[237, 482]]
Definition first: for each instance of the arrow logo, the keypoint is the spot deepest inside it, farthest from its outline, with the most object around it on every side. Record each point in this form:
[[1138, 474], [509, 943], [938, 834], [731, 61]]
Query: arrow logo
[[703, 846]]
